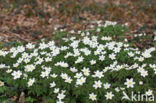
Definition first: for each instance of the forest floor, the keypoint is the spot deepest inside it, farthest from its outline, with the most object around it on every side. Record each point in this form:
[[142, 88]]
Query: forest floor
[[31, 20]]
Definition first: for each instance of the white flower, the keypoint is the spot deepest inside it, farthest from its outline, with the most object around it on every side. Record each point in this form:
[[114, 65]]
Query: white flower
[[82, 34], [106, 85], [62, 64], [72, 31], [48, 69], [135, 65], [30, 46], [86, 51], [68, 55], [98, 74], [117, 89], [152, 66], [53, 84], [73, 69], [146, 54], [44, 74], [68, 80], [111, 45], [154, 71], [64, 75], [53, 75], [42, 46], [1, 53], [86, 71], [78, 75], [109, 95], [102, 57], [108, 23], [99, 21], [61, 96], [56, 90], [97, 84], [77, 53], [2, 66], [79, 31], [140, 69], [48, 59], [55, 51], [106, 38], [122, 88], [149, 92], [81, 81], [20, 49], [79, 60], [105, 69], [9, 71], [129, 83], [25, 76], [63, 91], [98, 30], [19, 60], [74, 44], [1, 83], [25, 55], [29, 68], [88, 33], [16, 74], [131, 54], [92, 62], [155, 38], [92, 96], [26, 60], [97, 52], [141, 59], [31, 81], [140, 82], [112, 56], [125, 40], [144, 73], [39, 61], [117, 50]]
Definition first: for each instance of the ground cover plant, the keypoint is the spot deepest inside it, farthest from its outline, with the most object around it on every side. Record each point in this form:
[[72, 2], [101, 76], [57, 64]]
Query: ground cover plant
[[99, 66]]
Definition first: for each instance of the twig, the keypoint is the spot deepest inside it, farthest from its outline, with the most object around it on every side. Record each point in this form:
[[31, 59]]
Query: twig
[[18, 36]]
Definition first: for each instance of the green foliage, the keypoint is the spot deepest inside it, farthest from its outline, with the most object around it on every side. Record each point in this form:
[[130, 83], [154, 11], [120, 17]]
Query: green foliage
[[44, 68], [30, 100]]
